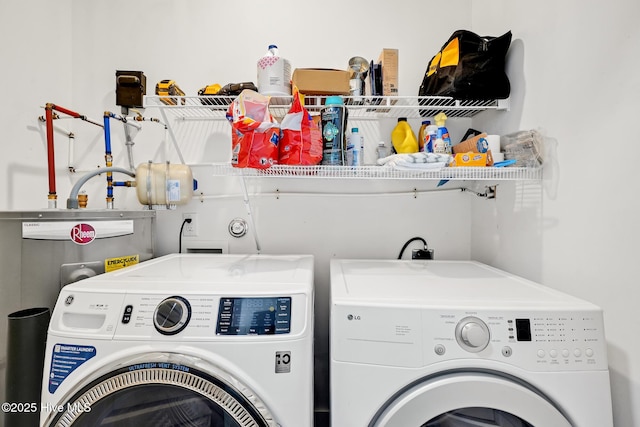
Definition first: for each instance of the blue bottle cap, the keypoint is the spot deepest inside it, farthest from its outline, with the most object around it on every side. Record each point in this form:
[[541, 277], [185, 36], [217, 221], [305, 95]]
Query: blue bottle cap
[[334, 100], [354, 129]]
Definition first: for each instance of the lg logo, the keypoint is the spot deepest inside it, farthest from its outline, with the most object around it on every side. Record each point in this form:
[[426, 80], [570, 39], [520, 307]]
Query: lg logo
[[353, 317]]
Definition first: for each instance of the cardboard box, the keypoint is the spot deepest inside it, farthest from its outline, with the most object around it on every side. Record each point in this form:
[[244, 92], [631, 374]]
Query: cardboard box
[[389, 60], [472, 159], [321, 81], [476, 144]]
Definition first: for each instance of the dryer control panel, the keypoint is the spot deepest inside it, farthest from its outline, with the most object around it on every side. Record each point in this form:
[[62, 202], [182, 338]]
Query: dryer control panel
[[540, 340], [535, 340]]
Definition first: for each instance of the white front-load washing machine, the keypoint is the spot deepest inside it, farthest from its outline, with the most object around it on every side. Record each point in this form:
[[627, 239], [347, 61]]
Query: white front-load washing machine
[[184, 340], [459, 343]]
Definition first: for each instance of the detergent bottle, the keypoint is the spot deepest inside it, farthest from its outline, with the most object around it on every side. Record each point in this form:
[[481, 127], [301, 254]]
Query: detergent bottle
[[443, 141], [402, 137], [422, 133], [333, 123], [274, 74], [427, 136]]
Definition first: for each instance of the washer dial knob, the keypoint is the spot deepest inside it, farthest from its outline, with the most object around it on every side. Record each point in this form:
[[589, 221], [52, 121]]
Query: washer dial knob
[[472, 334], [172, 315]]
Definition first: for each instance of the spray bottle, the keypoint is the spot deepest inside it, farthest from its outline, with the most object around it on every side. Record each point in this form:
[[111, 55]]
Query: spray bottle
[[443, 141]]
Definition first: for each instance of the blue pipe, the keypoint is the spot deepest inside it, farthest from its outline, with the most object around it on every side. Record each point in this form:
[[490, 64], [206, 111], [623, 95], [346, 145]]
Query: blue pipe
[[107, 152], [107, 133], [108, 156]]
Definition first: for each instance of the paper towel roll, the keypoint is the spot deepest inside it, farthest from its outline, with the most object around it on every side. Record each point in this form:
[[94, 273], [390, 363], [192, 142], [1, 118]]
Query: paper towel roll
[[494, 143]]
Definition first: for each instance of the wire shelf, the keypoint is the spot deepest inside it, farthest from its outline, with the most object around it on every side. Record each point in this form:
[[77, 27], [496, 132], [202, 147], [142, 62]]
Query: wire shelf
[[214, 107], [382, 172]]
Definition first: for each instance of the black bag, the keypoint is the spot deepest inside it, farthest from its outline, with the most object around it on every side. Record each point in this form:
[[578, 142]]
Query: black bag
[[469, 67]]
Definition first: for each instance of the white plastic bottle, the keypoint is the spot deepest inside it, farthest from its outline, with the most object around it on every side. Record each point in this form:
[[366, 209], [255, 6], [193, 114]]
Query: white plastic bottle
[[355, 148], [274, 74], [383, 151], [443, 142], [432, 133]]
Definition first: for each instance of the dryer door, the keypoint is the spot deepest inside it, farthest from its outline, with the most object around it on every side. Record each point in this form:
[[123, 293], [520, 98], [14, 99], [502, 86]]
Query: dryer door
[[157, 394], [475, 399]]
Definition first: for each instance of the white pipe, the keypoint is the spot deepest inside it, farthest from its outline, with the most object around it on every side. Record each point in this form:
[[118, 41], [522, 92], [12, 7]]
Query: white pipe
[[326, 194], [129, 143], [165, 143], [249, 214], [72, 140], [131, 123]]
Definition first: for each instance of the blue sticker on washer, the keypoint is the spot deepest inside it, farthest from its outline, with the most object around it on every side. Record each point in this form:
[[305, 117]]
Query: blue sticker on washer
[[65, 359]]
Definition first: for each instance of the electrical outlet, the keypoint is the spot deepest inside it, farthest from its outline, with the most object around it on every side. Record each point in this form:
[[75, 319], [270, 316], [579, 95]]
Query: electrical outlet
[[422, 254], [190, 228]]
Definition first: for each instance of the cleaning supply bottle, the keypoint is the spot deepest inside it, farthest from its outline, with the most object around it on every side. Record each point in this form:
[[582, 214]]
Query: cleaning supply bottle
[[432, 132], [427, 136], [382, 150], [443, 141], [355, 147], [422, 134], [274, 74], [402, 137], [333, 122]]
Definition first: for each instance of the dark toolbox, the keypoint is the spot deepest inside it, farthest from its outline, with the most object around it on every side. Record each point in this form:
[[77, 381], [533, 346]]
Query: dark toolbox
[[131, 87]]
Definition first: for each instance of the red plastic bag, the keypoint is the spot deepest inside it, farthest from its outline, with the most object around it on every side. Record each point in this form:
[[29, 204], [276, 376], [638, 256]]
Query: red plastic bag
[[254, 133], [301, 142]]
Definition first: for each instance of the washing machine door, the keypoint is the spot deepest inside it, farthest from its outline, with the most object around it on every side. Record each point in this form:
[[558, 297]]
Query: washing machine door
[[477, 399], [161, 394]]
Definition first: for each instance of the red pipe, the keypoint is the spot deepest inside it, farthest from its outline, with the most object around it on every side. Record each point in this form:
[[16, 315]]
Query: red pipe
[[67, 112], [50, 155], [50, 151]]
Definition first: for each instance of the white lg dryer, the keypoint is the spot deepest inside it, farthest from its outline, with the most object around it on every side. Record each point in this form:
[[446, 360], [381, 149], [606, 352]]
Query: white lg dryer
[[184, 340], [459, 343]]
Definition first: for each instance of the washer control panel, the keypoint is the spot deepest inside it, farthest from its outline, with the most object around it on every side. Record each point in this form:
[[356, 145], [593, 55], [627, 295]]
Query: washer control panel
[[254, 316], [201, 316]]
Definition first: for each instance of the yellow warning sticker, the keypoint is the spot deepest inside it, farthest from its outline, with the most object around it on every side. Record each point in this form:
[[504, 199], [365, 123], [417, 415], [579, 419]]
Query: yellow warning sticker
[[112, 264]]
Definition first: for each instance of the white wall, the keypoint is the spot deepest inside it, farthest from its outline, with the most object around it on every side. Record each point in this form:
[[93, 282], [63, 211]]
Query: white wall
[[35, 61], [36, 54], [569, 72], [573, 65], [208, 42]]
